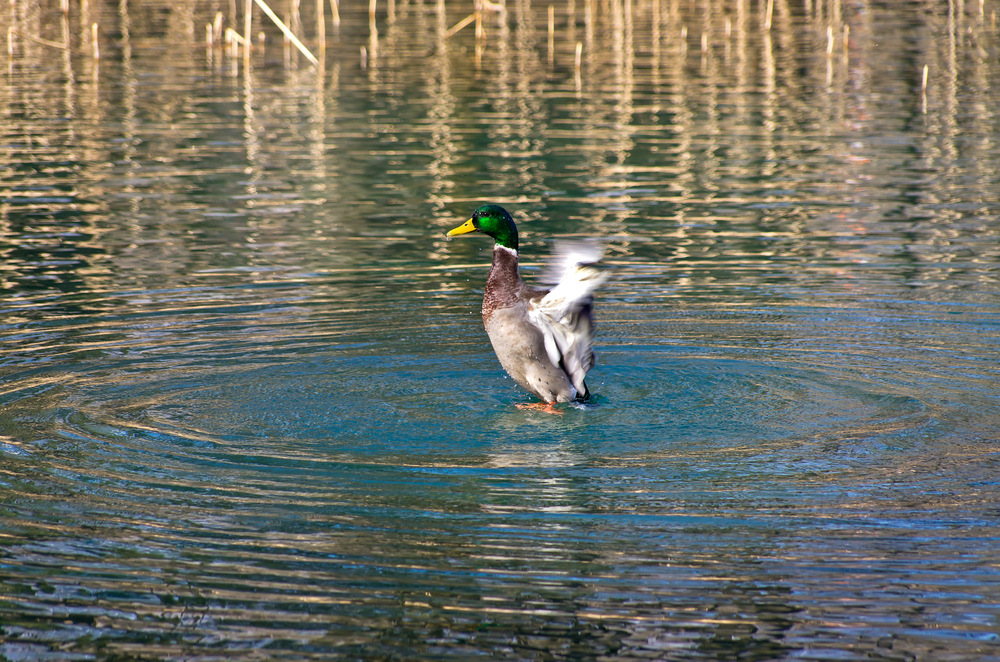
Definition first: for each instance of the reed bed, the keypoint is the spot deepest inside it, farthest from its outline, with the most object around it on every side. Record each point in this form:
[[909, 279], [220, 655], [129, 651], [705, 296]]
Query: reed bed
[[730, 77], [229, 32], [702, 52]]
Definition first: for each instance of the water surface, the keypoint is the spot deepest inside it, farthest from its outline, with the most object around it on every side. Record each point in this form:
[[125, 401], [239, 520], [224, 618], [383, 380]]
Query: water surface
[[247, 406]]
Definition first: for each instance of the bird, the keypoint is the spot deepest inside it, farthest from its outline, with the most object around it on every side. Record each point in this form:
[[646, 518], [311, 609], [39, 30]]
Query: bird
[[542, 337]]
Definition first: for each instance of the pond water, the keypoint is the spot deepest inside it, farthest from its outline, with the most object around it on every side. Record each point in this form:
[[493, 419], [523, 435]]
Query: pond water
[[247, 406]]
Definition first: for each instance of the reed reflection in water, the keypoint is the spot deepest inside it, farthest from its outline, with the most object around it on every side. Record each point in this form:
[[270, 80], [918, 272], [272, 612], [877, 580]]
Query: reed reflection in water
[[247, 407]]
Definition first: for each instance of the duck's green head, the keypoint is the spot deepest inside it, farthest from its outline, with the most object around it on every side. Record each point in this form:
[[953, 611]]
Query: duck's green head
[[494, 221]]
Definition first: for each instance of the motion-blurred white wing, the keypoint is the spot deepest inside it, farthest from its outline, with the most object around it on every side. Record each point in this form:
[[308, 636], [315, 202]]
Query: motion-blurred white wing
[[564, 313]]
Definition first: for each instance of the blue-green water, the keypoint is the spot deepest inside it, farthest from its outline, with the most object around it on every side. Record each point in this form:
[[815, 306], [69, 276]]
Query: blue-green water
[[248, 409]]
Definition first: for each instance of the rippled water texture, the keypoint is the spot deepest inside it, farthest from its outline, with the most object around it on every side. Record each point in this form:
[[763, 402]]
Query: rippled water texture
[[248, 409]]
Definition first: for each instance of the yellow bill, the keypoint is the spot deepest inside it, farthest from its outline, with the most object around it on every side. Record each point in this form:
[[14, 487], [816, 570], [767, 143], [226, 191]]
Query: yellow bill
[[464, 228]]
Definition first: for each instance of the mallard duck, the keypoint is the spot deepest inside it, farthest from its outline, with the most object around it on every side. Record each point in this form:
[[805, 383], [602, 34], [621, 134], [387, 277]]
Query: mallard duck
[[542, 337]]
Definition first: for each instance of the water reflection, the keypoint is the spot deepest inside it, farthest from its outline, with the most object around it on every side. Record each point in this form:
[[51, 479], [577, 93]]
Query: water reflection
[[653, 123], [246, 403]]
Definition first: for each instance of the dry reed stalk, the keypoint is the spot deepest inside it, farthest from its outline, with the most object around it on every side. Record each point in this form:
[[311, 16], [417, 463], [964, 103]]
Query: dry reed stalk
[[44, 42], [657, 17], [372, 32], [335, 10], [66, 42], [458, 26], [247, 18], [288, 33], [321, 26], [286, 45], [210, 45], [552, 33], [923, 90], [578, 61], [96, 46]]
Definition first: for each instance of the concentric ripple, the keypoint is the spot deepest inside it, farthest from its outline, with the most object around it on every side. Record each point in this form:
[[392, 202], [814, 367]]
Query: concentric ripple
[[248, 409]]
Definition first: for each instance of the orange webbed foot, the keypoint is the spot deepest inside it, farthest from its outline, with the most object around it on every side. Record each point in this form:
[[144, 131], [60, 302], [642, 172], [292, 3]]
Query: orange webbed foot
[[547, 407]]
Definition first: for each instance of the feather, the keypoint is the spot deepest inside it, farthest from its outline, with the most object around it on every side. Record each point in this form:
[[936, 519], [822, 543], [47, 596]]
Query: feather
[[563, 314]]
